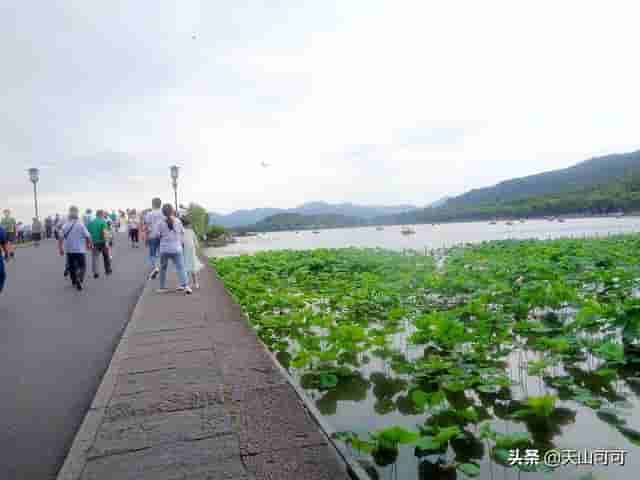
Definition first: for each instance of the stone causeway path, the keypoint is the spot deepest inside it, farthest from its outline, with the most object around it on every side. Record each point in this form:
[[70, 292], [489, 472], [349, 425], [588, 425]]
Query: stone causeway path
[[191, 393]]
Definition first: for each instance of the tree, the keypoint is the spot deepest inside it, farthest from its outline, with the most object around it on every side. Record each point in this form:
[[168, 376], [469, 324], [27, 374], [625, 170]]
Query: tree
[[199, 219]]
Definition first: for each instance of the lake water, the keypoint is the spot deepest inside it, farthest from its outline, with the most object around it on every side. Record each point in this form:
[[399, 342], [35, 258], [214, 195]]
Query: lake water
[[427, 236], [378, 397]]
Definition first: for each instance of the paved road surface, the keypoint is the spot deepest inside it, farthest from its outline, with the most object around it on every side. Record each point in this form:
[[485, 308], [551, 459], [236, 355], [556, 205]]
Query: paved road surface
[[55, 345]]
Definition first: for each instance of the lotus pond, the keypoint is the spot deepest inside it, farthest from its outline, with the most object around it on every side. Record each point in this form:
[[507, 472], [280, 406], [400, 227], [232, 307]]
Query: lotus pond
[[441, 366]]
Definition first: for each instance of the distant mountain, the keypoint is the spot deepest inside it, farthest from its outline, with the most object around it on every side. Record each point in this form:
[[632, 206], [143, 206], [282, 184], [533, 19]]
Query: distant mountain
[[589, 173], [241, 218], [298, 221], [600, 185], [438, 203]]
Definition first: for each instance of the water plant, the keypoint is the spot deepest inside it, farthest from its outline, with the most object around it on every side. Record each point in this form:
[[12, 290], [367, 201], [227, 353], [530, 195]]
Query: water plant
[[495, 332]]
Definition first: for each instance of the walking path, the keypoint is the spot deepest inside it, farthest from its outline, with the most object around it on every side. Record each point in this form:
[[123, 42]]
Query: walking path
[[191, 393], [55, 345]]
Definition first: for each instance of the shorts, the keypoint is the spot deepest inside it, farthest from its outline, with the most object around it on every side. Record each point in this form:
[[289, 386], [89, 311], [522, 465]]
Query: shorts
[[134, 235], [36, 237]]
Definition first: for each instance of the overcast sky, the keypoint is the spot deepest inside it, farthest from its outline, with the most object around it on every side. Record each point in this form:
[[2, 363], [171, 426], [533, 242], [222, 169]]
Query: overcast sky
[[374, 102]]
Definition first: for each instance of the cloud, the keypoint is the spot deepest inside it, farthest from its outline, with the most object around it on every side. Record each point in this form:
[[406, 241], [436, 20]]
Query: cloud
[[363, 101]]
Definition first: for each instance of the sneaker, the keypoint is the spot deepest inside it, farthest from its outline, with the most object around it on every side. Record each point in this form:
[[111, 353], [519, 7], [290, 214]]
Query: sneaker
[[162, 290], [66, 273], [95, 275], [197, 286], [154, 274], [187, 290], [180, 289], [79, 286]]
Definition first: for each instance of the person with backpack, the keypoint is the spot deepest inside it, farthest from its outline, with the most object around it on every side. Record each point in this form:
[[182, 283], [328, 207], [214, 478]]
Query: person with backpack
[[170, 234], [99, 231], [74, 242]]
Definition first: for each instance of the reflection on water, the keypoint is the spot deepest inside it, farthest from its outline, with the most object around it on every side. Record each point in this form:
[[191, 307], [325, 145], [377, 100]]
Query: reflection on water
[[427, 236]]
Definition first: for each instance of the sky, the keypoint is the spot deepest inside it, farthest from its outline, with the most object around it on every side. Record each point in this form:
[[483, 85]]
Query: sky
[[364, 101]]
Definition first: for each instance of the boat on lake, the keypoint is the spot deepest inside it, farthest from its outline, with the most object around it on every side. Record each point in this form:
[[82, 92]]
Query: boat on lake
[[407, 231], [379, 228]]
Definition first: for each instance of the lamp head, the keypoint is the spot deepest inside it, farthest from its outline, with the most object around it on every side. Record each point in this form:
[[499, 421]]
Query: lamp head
[[34, 175], [174, 172]]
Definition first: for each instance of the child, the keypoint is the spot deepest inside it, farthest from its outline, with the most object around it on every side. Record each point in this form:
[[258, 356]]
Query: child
[[192, 263]]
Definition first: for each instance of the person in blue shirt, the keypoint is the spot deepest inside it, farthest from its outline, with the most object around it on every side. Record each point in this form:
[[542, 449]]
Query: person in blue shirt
[[4, 245]]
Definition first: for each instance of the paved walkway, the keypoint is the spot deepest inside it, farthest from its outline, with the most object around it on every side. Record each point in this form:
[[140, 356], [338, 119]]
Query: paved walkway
[[192, 394], [55, 345]]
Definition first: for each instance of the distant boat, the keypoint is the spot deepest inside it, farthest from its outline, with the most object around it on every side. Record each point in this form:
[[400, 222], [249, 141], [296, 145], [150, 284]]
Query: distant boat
[[316, 231], [492, 222], [522, 220], [561, 220], [407, 231], [509, 222], [379, 228]]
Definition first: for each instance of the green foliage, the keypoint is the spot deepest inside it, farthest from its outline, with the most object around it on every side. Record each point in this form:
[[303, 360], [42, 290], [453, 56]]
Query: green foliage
[[215, 231], [448, 336], [199, 219], [542, 407]]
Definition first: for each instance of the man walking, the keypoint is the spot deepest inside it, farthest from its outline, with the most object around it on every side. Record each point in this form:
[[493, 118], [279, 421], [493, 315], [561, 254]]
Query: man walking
[[48, 227], [88, 217], [9, 225], [6, 247], [74, 242], [99, 231], [151, 221]]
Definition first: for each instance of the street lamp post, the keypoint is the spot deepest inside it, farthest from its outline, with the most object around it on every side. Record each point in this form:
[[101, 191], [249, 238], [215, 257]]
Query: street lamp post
[[34, 176], [174, 182]]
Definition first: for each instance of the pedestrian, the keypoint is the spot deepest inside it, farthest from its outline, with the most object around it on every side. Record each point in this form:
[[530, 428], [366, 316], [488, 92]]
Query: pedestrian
[[88, 217], [19, 232], [48, 227], [192, 263], [99, 237], [151, 221], [133, 225], [170, 233], [5, 245], [36, 231], [74, 242], [9, 225], [57, 225]]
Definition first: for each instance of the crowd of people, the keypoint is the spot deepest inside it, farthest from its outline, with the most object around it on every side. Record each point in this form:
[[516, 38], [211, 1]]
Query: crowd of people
[[167, 235]]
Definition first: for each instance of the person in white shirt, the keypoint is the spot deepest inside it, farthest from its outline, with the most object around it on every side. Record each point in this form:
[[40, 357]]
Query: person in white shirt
[[74, 242], [170, 234], [192, 263], [151, 221]]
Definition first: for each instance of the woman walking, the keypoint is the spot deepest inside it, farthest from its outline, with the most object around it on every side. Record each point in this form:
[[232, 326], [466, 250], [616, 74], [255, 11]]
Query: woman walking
[[134, 228], [192, 264], [170, 232]]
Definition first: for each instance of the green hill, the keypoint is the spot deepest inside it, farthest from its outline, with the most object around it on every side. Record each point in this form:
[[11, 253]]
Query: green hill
[[601, 185], [297, 221]]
